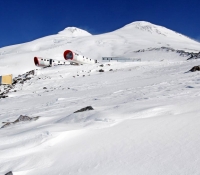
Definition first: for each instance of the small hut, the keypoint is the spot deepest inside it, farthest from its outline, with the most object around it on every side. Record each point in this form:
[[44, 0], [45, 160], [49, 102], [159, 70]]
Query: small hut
[[6, 79]]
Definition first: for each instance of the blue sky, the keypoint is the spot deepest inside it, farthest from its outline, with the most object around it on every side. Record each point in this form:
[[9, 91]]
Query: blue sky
[[25, 20]]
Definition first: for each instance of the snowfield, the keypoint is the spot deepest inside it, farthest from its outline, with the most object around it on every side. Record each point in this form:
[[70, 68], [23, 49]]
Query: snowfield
[[146, 114]]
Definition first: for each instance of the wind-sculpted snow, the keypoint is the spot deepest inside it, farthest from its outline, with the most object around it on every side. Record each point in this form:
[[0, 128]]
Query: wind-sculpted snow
[[145, 120]]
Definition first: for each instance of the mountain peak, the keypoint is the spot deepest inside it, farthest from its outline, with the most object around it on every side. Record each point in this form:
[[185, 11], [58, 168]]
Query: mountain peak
[[141, 23], [148, 27], [74, 32]]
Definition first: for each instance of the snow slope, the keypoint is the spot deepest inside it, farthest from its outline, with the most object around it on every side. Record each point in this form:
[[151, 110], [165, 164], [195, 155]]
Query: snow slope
[[145, 121], [145, 118]]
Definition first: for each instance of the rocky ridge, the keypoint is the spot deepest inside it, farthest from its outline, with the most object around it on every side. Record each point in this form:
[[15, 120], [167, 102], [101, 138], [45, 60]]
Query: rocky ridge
[[190, 55], [20, 79]]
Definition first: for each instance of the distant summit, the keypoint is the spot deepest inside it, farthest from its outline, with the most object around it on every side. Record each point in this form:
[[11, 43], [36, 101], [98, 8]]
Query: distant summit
[[140, 23], [151, 28], [74, 32]]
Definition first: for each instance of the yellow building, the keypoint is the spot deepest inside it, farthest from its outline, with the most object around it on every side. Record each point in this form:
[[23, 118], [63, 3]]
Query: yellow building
[[6, 79]]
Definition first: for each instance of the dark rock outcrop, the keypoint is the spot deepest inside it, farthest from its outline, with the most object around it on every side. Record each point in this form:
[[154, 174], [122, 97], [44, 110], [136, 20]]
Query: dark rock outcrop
[[195, 68], [194, 56], [88, 108], [101, 70], [22, 118], [5, 90], [3, 96], [9, 173], [23, 78], [182, 53]]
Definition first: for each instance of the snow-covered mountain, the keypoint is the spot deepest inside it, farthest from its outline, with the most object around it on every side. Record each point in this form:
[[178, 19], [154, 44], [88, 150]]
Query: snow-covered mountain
[[122, 42], [74, 32], [145, 117]]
